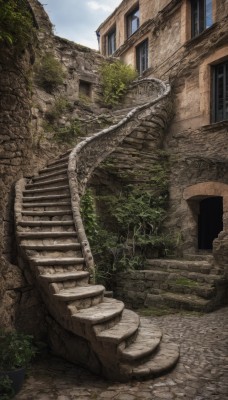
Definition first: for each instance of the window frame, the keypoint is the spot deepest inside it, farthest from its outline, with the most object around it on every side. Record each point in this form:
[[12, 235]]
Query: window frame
[[199, 15], [130, 19], [111, 35], [139, 57], [215, 90]]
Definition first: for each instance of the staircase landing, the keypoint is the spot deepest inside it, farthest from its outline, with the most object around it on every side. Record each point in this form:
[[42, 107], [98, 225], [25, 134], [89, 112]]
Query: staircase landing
[[194, 283]]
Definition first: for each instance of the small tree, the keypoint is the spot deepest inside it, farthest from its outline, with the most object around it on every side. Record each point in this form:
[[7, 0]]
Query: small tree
[[115, 79]]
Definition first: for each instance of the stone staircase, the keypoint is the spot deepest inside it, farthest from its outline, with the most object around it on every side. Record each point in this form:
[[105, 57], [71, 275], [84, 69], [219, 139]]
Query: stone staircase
[[193, 283], [52, 243]]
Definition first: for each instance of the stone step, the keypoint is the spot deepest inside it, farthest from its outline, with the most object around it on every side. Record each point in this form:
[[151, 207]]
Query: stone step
[[79, 292], [174, 274], [58, 161], [48, 182], [66, 276], [168, 264], [55, 168], [47, 213], [189, 302], [52, 247], [163, 361], [199, 257], [57, 261], [47, 204], [45, 176], [66, 153], [146, 342], [205, 291], [48, 190], [45, 234], [45, 198], [46, 223], [125, 328], [105, 311]]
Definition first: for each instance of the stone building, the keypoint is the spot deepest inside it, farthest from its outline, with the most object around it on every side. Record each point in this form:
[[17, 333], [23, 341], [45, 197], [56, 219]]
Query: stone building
[[184, 42]]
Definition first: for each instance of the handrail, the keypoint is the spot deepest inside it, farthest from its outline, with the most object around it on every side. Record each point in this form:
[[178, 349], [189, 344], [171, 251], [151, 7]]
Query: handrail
[[88, 154]]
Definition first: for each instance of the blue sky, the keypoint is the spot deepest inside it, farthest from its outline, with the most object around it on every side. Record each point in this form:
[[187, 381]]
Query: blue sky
[[78, 20]]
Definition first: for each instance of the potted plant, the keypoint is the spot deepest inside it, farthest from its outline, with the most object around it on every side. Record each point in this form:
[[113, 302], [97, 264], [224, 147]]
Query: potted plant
[[16, 351]]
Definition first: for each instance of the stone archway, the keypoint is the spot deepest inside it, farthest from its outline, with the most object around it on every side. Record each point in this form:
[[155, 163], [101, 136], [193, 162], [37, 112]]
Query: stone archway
[[210, 200]]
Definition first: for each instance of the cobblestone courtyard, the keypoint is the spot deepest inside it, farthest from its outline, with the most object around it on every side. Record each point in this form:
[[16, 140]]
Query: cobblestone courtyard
[[201, 374]]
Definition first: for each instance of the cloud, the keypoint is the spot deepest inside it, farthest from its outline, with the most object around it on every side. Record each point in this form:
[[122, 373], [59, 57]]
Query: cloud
[[78, 20], [94, 5]]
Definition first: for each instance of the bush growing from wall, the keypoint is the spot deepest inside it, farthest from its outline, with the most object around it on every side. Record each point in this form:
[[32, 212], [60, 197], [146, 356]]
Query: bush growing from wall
[[115, 79], [49, 73], [16, 24], [137, 214]]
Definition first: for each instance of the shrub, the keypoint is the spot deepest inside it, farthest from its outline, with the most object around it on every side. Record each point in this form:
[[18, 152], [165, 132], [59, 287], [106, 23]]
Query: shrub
[[16, 24], [16, 350], [6, 388], [60, 106], [134, 229], [68, 134], [115, 79], [49, 73]]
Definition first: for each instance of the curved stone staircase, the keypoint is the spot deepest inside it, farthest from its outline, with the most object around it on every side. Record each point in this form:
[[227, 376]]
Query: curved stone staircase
[[52, 241]]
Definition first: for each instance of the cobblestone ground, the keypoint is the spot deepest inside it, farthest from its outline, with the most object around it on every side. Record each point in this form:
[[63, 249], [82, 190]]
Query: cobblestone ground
[[201, 374]]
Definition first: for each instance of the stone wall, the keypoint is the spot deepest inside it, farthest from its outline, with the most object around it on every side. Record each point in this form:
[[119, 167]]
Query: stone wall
[[26, 146], [197, 148], [15, 160]]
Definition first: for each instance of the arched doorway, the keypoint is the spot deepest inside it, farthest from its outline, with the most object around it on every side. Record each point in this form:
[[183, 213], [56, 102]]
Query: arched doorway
[[210, 222], [208, 205]]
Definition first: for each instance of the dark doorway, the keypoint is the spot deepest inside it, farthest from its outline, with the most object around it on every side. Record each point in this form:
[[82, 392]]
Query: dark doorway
[[209, 221]]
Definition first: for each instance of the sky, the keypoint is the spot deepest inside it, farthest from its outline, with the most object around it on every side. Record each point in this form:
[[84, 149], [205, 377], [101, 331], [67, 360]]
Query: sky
[[78, 20]]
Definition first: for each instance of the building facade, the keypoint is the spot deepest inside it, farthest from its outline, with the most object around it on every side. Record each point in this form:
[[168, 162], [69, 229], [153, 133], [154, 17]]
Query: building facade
[[184, 42]]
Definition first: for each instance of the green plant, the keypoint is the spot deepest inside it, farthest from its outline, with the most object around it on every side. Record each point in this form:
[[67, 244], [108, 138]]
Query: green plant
[[16, 350], [68, 134], [16, 24], [49, 73], [182, 281], [115, 79], [6, 389], [60, 106]]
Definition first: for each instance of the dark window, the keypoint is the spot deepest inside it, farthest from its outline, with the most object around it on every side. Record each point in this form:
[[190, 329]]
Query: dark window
[[85, 88], [111, 42], [220, 92], [132, 22], [201, 16], [142, 56]]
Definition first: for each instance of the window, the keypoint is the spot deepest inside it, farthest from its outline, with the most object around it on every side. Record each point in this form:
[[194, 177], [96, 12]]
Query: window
[[85, 88], [132, 22], [201, 16], [111, 42], [142, 56], [220, 92]]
